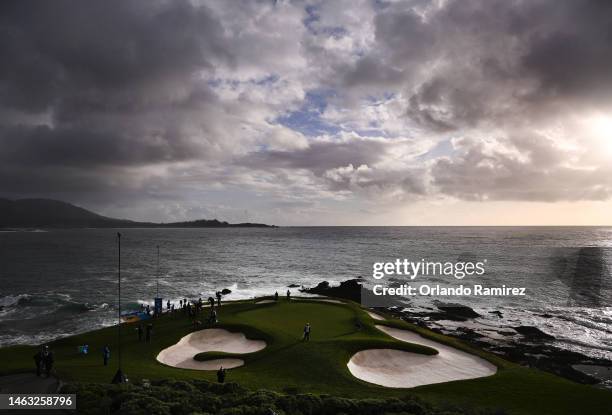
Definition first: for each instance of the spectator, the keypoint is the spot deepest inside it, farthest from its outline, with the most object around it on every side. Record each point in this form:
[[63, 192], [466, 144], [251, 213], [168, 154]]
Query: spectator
[[221, 375], [106, 354], [38, 360], [48, 360]]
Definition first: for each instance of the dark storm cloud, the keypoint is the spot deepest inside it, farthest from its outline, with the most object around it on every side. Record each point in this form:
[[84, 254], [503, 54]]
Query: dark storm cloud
[[100, 96], [368, 71], [319, 156], [473, 61], [40, 146], [105, 84], [574, 57], [48, 180], [55, 52]]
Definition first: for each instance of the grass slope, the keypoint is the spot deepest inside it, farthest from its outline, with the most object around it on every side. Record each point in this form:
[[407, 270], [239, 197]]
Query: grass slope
[[289, 365]]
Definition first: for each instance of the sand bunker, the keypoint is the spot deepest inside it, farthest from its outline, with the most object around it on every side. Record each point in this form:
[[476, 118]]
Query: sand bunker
[[399, 369], [327, 300], [208, 340], [375, 316], [265, 302]]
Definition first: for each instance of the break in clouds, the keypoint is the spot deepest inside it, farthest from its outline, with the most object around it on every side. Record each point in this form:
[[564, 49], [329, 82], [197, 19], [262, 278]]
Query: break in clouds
[[170, 110]]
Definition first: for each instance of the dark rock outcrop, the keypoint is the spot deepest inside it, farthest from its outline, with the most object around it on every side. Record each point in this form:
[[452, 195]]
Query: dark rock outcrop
[[460, 311], [533, 333], [350, 290]]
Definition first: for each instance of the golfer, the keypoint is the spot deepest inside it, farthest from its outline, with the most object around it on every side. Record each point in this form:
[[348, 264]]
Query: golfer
[[307, 332]]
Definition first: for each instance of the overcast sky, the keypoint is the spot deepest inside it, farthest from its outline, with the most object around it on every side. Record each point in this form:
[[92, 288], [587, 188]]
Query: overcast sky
[[311, 112]]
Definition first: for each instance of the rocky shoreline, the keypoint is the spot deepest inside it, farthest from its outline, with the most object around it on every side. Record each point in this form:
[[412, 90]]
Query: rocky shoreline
[[525, 345], [522, 344]]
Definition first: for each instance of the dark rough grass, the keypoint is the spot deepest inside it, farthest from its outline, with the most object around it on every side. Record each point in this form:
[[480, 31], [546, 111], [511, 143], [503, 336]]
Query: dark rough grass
[[177, 397], [288, 364]]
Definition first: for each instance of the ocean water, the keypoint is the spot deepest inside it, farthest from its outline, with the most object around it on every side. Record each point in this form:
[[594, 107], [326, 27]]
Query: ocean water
[[61, 282]]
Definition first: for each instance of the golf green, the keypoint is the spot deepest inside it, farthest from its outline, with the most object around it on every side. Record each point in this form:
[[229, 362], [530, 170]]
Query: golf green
[[287, 319]]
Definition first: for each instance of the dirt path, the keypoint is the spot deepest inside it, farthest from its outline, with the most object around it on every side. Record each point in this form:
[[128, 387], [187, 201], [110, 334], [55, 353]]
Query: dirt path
[[28, 383]]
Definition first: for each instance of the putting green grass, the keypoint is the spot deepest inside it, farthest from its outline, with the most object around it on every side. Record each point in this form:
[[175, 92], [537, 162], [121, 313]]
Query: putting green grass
[[288, 364]]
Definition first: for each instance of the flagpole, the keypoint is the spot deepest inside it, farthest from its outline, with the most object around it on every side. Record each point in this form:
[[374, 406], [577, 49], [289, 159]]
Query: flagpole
[[119, 376], [119, 290]]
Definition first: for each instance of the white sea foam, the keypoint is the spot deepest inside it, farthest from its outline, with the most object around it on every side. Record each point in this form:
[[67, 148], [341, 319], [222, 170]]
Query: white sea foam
[[11, 300]]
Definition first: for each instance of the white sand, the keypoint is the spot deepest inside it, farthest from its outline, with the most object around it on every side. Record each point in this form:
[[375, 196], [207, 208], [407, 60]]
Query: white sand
[[209, 340], [265, 302], [375, 316], [399, 369], [327, 300]]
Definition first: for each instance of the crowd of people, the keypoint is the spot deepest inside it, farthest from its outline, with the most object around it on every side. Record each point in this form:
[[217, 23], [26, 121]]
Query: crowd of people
[[144, 332], [43, 359], [192, 309]]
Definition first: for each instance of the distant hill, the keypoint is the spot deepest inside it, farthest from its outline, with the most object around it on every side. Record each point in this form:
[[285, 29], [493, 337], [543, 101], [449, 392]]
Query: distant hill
[[48, 213]]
